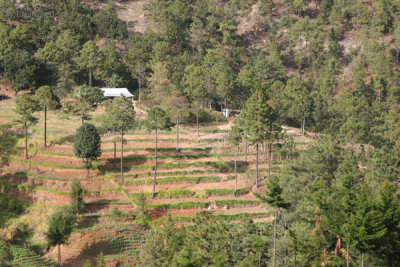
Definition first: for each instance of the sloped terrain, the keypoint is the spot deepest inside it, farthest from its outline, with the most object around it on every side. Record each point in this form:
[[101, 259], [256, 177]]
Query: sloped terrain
[[199, 177]]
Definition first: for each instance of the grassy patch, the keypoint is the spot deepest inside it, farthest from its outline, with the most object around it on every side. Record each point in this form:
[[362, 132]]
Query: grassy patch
[[179, 205], [180, 179], [25, 257], [226, 192], [24, 187], [236, 202], [169, 194]]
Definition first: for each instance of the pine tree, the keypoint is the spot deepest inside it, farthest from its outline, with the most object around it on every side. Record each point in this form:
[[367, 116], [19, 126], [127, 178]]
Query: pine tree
[[61, 224], [273, 197], [388, 206], [89, 58], [260, 121], [366, 225], [156, 119], [119, 117], [235, 138], [193, 79], [26, 106], [48, 100]]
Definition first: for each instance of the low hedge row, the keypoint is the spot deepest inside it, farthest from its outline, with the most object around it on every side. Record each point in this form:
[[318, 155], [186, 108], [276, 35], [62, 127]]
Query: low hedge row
[[179, 205], [169, 194], [25, 187], [236, 202], [226, 192], [180, 179]]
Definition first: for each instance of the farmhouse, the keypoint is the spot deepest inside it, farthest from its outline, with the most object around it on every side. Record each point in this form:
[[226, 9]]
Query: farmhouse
[[110, 93]]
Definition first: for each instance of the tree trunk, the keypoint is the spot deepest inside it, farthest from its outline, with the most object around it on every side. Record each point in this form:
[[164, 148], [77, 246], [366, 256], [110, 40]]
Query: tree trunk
[[122, 157], [90, 78], [269, 157], [274, 250], [347, 256], [387, 257], [59, 255], [362, 259], [235, 172], [155, 170], [87, 168], [83, 116], [256, 165], [115, 154], [245, 150], [45, 126], [197, 117], [26, 141], [177, 130], [303, 125], [226, 109], [140, 87], [263, 151]]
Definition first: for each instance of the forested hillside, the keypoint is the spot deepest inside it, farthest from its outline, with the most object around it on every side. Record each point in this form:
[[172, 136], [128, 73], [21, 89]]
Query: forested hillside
[[315, 90]]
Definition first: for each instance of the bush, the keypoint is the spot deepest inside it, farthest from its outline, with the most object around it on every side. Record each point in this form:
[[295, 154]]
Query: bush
[[116, 212], [77, 196], [11, 205], [221, 166], [205, 116]]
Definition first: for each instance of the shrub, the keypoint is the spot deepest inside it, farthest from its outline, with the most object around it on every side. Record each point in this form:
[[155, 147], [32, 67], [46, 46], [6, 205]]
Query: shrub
[[77, 196], [205, 116], [234, 202], [116, 212]]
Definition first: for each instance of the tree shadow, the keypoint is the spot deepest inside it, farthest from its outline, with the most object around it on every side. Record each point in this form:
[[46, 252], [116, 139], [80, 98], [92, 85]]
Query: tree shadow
[[158, 213], [97, 206], [89, 252], [87, 222], [13, 201], [112, 167], [63, 140]]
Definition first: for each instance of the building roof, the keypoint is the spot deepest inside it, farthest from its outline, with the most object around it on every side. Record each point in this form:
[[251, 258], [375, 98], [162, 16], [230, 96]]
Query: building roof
[[114, 92]]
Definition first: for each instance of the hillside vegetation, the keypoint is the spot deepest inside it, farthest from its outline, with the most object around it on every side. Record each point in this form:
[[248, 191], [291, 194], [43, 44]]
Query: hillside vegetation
[[305, 172]]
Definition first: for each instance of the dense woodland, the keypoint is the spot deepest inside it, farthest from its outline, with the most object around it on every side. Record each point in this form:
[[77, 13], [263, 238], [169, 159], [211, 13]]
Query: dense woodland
[[330, 67]]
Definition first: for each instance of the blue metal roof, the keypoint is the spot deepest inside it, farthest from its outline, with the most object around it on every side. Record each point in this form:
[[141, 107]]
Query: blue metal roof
[[114, 92]]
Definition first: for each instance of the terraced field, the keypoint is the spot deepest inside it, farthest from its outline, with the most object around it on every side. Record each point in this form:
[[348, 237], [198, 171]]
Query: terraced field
[[197, 178]]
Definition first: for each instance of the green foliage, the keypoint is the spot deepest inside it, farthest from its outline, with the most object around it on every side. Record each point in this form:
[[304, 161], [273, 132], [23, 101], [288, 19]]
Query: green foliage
[[89, 58], [205, 116], [26, 106], [20, 67], [77, 194], [120, 115], [273, 195], [5, 253], [26, 257], [235, 135], [206, 242], [8, 142], [87, 143], [157, 119], [46, 97], [109, 25], [298, 99], [259, 118], [61, 224], [93, 96]]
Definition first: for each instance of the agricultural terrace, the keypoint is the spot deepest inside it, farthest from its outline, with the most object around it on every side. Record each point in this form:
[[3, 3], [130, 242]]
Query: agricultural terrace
[[197, 178]]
